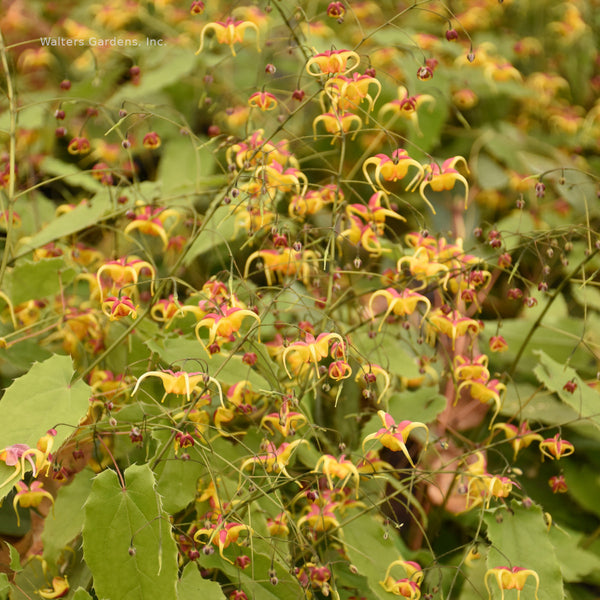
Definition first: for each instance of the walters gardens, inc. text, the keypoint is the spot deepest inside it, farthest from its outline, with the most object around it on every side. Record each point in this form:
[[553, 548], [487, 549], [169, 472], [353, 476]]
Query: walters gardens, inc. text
[[101, 42]]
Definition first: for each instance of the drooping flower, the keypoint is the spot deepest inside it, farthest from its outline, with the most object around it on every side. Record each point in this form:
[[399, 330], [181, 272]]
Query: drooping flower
[[337, 124], [519, 437], [408, 586], [424, 268], [394, 435], [275, 459], [555, 448], [223, 324], [509, 578], [222, 534], [558, 484], [124, 275], [392, 168], [332, 62], [60, 588], [402, 303], [286, 422], [38, 457], [265, 101], [229, 32], [444, 178], [341, 468], [29, 496], [117, 308], [347, 93], [452, 325], [150, 220], [484, 391], [284, 262], [180, 383], [309, 351], [320, 516], [406, 106], [482, 485]]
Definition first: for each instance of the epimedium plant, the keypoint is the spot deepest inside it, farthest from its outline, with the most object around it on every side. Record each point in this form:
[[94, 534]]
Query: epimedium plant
[[299, 301]]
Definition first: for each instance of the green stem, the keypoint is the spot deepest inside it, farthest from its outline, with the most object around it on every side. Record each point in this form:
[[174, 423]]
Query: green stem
[[12, 108], [541, 316]]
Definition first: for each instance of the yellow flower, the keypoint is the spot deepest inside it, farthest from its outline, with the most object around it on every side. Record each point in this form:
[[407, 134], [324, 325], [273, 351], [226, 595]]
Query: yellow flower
[[394, 435], [556, 447], [180, 383], [229, 32], [519, 437], [275, 459], [444, 178], [223, 325], [394, 168], [406, 106], [342, 469], [337, 124], [452, 324], [311, 350], [332, 62], [223, 534], [402, 303], [117, 308], [263, 100], [60, 588], [511, 579], [29, 496]]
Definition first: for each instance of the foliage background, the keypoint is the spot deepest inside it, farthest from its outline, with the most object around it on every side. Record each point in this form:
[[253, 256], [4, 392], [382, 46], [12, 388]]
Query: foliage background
[[135, 479]]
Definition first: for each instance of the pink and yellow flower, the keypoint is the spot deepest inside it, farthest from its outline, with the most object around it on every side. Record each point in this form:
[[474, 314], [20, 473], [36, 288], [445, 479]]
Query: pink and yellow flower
[[222, 534], [224, 324], [511, 578], [394, 435], [443, 178], [29, 496], [117, 308], [229, 32], [392, 168], [180, 383], [402, 303], [309, 351], [333, 62], [555, 448], [263, 100]]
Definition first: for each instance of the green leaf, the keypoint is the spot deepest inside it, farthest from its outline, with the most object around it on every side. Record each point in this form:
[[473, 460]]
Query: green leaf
[[127, 541], [182, 165], [220, 230], [71, 174], [81, 217], [371, 551], [584, 485], [63, 524], [15, 559], [42, 399], [520, 538], [4, 586], [255, 580], [576, 563], [177, 479], [37, 280], [490, 175], [171, 66], [422, 405], [22, 355], [81, 594], [192, 585], [584, 400]]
